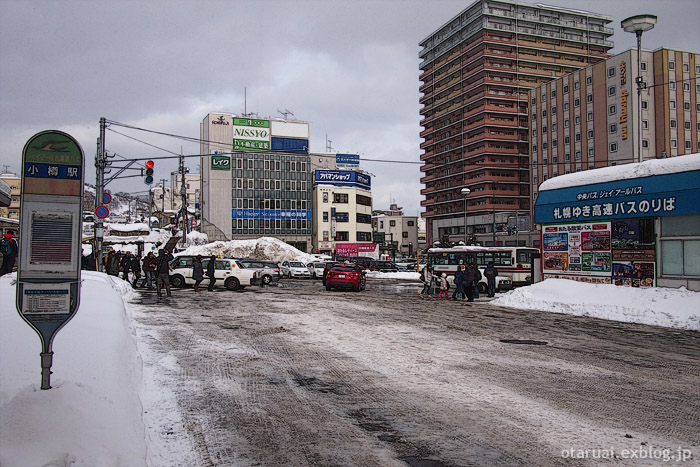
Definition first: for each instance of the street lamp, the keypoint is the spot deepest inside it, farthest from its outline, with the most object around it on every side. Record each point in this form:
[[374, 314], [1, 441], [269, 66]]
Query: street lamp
[[465, 192], [638, 24]]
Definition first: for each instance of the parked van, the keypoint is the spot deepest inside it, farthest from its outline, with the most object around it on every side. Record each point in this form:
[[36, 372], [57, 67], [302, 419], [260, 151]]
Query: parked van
[[228, 272]]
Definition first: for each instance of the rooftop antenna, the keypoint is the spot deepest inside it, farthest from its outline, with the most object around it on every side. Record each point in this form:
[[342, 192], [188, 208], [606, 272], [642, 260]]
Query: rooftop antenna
[[5, 169], [285, 113], [329, 144]]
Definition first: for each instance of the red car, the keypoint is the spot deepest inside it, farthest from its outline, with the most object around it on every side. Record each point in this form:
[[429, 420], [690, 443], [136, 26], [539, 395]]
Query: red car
[[346, 276]]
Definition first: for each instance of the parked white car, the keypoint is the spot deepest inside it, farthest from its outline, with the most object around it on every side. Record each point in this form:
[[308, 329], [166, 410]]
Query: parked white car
[[228, 273], [294, 269], [316, 269]]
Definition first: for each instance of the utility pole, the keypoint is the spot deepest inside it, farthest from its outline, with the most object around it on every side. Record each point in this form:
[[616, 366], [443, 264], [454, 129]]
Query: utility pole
[[183, 193], [162, 202], [99, 192]]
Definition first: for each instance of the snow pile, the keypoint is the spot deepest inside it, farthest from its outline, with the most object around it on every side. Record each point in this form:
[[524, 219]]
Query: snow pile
[[677, 308], [194, 238], [92, 415], [267, 248], [648, 168]]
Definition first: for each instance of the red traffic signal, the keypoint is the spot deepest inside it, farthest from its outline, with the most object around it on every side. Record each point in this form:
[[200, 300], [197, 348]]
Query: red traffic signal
[[149, 173]]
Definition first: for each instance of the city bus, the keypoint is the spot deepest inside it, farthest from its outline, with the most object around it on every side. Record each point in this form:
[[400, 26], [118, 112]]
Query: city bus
[[513, 262]]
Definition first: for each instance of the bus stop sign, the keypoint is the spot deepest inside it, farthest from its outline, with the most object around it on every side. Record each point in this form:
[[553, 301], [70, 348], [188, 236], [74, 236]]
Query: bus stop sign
[[48, 274]]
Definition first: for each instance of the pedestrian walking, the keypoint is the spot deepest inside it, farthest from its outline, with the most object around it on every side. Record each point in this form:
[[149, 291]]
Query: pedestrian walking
[[136, 268], [125, 265], [112, 263], [491, 272], [211, 274], [10, 249], [468, 282], [426, 276], [197, 272], [459, 283], [149, 269], [477, 278], [443, 287], [163, 272]]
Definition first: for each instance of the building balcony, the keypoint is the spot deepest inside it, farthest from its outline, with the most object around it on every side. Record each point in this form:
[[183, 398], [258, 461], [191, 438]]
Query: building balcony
[[427, 178], [427, 190], [428, 154]]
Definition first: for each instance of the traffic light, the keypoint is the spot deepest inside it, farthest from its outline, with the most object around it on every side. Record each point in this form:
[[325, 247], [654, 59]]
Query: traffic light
[[149, 173]]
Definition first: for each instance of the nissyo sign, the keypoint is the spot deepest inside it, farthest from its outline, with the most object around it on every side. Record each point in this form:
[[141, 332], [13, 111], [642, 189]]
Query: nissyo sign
[[251, 134]]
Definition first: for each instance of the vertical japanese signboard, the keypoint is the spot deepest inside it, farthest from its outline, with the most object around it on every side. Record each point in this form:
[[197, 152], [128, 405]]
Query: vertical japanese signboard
[[48, 277]]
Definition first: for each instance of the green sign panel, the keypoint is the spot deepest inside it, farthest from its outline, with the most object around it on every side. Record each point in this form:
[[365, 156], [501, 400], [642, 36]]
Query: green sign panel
[[251, 134], [220, 162]]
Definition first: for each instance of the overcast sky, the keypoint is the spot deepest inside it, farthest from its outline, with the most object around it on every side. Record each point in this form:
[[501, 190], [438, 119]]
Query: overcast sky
[[349, 68]]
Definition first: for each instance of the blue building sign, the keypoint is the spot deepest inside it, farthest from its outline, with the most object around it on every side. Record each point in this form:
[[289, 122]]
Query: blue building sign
[[347, 159], [348, 178], [671, 194], [271, 214]]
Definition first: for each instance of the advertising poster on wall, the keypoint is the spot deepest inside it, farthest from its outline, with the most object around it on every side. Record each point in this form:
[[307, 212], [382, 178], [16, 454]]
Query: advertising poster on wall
[[580, 251], [634, 252], [250, 134]]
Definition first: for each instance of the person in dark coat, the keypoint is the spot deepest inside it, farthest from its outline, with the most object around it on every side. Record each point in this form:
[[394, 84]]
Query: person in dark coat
[[468, 281], [136, 268], [112, 263], [10, 249], [125, 265], [211, 273], [477, 278], [163, 272], [197, 272], [149, 270], [459, 283], [491, 272]]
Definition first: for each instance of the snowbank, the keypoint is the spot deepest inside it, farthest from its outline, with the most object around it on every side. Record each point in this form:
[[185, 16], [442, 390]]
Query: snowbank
[[676, 308], [261, 248]]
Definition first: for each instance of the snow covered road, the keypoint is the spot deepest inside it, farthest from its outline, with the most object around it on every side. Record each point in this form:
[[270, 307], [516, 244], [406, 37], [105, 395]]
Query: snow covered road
[[300, 376]]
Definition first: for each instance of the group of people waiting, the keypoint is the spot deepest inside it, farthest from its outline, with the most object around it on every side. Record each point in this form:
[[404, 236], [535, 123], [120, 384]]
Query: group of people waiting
[[466, 282]]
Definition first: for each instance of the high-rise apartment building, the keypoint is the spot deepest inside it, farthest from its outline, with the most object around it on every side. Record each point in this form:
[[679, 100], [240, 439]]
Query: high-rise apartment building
[[590, 118], [477, 70]]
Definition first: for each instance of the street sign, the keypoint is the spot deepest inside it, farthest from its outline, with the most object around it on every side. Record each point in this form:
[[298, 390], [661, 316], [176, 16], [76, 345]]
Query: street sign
[[48, 274], [106, 198], [102, 212]]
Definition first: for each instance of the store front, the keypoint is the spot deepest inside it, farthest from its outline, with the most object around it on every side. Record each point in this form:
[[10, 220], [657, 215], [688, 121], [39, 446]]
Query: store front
[[634, 225]]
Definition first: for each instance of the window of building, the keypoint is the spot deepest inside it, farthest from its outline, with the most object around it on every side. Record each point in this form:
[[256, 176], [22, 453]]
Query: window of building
[[589, 116], [645, 143], [613, 128], [340, 198], [554, 110], [567, 157], [363, 200], [643, 66], [672, 85], [566, 88], [534, 116], [534, 148], [590, 152], [577, 137], [555, 159], [566, 123], [554, 93], [577, 85], [589, 98], [554, 127], [410, 223], [544, 145], [554, 143], [534, 179], [577, 102], [612, 109], [567, 140], [589, 80], [687, 144], [645, 124], [577, 155], [363, 218], [544, 113], [686, 105], [325, 216], [686, 67], [687, 125], [577, 120], [544, 130], [673, 123], [674, 143], [534, 132], [544, 98], [566, 106], [404, 234], [680, 246], [645, 105], [364, 236], [534, 101], [671, 65], [342, 236], [613, 147], [611, 72], [590, 134], [325, 195], [686, 86], [392, 223], [611, 91]]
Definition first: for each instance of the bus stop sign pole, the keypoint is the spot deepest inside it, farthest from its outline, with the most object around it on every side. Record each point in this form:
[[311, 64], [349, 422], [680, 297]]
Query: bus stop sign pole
[[48, 274]]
